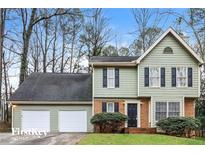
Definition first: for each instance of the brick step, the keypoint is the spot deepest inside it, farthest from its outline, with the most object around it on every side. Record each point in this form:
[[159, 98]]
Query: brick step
[[140, 130]]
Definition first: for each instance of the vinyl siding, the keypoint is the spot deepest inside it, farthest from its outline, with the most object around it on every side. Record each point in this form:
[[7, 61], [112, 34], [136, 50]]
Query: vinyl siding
[[53, 113], [127, 86], [180, 57]]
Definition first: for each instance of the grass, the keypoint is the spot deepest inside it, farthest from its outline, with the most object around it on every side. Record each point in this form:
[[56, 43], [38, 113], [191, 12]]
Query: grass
[[138, 139]]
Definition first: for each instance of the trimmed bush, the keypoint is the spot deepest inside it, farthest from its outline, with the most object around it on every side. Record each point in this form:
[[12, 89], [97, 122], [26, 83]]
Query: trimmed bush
[[179, 126], [108, 122]]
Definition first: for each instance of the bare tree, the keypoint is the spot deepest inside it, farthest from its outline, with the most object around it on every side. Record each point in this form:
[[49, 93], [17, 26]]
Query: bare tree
[[30, 18], [96, 33], [147, 30], [2, 30], [54, 61]]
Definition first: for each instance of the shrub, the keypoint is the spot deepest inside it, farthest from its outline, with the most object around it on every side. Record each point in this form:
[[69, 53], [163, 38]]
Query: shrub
[[179, 126], [108, 122], [202, 128]]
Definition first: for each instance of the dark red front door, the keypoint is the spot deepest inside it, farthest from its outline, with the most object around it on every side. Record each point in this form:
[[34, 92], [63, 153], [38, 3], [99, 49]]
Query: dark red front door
[[132, 115]]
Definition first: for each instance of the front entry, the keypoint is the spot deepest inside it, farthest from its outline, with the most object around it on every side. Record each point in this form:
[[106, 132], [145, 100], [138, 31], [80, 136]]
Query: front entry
[[132, 115]]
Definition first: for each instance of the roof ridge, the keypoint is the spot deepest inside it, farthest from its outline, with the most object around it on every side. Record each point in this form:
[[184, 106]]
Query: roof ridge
[[59, 73]]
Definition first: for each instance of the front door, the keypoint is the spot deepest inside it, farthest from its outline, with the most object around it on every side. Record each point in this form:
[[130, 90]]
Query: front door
[[132, 115]]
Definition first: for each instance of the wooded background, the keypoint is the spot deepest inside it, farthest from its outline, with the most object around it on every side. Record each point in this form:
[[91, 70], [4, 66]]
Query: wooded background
[[63, 40]]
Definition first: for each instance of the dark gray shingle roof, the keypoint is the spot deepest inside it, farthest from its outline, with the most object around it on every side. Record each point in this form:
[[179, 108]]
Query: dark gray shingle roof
[[55, 87], [113, 58]]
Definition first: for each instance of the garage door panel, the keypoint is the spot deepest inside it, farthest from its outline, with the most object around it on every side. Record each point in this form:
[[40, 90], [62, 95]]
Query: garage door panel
[[72, 121], [37, 120]]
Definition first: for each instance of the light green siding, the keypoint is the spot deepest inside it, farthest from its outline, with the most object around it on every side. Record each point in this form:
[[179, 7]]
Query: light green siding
[[180, 57], [53, 113], [128, 83]]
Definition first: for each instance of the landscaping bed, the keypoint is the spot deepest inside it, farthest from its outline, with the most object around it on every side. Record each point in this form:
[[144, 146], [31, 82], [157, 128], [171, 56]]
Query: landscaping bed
[[138, 139]]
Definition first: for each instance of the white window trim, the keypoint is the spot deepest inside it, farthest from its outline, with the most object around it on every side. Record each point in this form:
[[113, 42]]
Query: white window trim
[[167, 111], [159, 77], [113, 69], [186, 78], [130, 101], [113, 107]]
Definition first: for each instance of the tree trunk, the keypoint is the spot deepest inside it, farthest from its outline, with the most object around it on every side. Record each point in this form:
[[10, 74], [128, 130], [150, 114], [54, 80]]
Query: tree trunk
[[6, 87], [2, 27], [54, 49], [72, 50], [45, 48], [63, 54], [26, 39]]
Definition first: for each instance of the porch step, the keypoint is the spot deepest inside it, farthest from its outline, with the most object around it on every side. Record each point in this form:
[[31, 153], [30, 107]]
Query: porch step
[[132, 130]]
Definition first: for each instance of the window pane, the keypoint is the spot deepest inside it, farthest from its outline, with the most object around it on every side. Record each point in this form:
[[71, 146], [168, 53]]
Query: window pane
[[174, 109], [111, 83], [110, 107], [111, 73], [181, 82], [154, 72], [111, 78], [154, 82], [161, 110], [154, 77], [181, 77]]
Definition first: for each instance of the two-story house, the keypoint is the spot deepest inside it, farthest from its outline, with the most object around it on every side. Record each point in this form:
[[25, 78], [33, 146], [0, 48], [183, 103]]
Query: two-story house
[[162, 82]]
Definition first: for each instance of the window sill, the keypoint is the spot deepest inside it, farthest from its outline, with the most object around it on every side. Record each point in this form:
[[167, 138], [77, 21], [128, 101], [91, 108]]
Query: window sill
[[110, 88]]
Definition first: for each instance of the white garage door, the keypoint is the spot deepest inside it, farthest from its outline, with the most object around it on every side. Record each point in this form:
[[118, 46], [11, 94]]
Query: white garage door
[[72, 121], [37, 120]]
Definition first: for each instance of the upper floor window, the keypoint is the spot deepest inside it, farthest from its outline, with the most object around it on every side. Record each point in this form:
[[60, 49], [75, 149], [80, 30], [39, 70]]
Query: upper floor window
[[181, 76], [110, 77], [154, 76], [168, 50]]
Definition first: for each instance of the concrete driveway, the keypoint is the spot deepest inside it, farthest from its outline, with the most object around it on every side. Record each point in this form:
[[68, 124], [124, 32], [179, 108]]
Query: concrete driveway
[[50, 139]]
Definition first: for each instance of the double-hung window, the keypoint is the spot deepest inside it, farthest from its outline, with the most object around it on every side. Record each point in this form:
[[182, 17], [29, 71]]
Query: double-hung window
[[166, 109], [110, 107], [181, 76], [111, 77], [154, 76]]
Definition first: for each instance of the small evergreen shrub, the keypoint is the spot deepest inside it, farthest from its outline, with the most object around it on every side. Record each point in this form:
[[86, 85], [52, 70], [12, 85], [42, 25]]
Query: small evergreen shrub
[[108, 122], [201, 132], [179, 126]]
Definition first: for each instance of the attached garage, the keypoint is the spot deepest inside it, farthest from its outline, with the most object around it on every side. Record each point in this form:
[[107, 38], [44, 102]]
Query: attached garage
[[37, 120], [53, 102], [72, 121]]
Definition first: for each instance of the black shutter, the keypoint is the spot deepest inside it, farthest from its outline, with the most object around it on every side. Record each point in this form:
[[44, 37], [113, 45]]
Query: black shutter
[[189, 77], [162, 77], [104, 77], [116, 108], [104, 107], [146, 76], [116, 77], [174, 77]]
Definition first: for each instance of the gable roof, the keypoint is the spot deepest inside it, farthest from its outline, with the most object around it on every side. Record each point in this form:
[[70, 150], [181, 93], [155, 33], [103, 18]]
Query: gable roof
[[55, 87], [170, 30]]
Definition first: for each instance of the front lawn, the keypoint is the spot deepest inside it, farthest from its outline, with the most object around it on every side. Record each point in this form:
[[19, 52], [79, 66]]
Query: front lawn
[[139, 139]]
